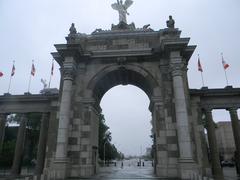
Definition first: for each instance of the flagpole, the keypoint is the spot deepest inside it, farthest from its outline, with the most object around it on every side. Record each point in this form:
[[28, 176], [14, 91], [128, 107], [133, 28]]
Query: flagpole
[[202, 79], [50, 79], [225, 72], [30, 78], [201, 70], [10, 81], [29, 82], [226, 76]]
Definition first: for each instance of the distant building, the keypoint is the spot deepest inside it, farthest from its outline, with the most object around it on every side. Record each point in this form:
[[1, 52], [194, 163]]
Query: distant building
[[225, 139]]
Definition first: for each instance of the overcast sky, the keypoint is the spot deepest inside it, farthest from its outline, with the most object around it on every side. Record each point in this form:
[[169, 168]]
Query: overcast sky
[[30, 28]]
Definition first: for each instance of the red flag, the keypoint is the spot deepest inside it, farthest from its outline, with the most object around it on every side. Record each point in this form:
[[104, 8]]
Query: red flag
[[33, 70], [225, 65], [1, 74], [13, 70], [52, 68], [199, 65]]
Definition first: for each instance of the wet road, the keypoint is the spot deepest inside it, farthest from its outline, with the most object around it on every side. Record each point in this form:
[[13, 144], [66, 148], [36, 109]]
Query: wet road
[[130, 170]]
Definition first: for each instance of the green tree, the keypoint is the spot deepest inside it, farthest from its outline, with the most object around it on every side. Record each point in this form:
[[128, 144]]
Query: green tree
[[105, 137], [31, 140]]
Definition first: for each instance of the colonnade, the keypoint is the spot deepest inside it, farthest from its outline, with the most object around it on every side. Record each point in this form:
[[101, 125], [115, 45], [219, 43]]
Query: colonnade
[[214, 151], [21, 137]]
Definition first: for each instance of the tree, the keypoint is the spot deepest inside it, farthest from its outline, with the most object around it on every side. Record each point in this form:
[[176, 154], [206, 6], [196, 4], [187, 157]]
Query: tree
[[105, 137], [31, 140]]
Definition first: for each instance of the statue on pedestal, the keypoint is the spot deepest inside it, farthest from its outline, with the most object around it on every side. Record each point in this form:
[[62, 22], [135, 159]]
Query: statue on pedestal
[[170, 22], [122, 9], [72, 29]]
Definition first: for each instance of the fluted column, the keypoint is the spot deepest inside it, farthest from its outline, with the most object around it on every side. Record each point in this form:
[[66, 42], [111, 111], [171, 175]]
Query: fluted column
[[3, 118], [61, 159], [184, 140], [214, 153], [19, 148], [236, 135], [42, 144]]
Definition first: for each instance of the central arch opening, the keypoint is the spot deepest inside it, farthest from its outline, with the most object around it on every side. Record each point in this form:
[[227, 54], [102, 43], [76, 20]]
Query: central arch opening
[[125, 109], [124, 94], [126, 112]]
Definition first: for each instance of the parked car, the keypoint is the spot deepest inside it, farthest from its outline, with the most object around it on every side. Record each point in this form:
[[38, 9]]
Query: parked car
[[227, 164]]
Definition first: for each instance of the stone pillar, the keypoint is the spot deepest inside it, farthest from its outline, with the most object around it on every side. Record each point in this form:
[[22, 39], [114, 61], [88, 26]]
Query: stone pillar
[[3, 118], [212, 141], [186, 162], [236, 135], [42, 144], [19, 147], [61, 160]]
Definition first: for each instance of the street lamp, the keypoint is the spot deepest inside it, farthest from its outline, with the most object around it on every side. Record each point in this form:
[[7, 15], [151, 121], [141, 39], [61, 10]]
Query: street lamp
[[104, 160]]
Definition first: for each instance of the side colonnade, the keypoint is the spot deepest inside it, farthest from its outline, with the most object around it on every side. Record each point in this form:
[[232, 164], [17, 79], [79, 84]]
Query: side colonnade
[[21, 139], [212, 141]]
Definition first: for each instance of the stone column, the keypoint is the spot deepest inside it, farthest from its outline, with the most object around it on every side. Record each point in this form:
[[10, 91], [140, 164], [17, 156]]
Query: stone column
[[183, 130], [212, 141], [3, 118], [19, 147], [236, 135], [42, 144], [184, 141], [61, 160]]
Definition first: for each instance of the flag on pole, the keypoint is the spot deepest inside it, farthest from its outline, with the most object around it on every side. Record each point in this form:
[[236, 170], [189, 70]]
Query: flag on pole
[[12, 74], [52, 69], [1, 74], [225, 65], [200, 69], [33, 70], [13, 70], [199, 65]]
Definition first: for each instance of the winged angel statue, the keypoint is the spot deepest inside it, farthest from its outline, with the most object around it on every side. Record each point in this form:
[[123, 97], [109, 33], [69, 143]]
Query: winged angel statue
[[122, 9]]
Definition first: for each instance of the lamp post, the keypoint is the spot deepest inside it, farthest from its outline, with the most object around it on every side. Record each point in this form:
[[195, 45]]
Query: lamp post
[[104, 153]]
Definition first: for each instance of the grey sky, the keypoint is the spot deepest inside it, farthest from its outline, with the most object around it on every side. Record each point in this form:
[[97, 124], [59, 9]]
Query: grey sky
[[29, 28]]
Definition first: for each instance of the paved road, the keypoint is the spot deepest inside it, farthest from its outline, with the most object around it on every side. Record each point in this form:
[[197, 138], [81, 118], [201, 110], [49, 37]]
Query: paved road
[[130, 170]]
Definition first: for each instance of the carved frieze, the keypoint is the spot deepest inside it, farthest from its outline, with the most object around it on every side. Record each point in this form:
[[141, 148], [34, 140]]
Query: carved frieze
[[117, 44]]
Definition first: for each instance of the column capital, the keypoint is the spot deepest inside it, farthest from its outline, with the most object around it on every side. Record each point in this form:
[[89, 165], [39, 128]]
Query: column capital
[[68, 73], [69, 68], [177, 69]]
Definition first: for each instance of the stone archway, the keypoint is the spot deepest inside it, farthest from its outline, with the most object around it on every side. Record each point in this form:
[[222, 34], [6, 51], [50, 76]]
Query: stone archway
[[114, 75], [154, 61]]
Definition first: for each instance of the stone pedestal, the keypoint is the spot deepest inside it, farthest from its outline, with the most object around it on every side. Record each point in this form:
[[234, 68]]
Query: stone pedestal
[[19, 148], [2, 129], [236, 135], [60, 168], [214, 153], [42, 144]]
